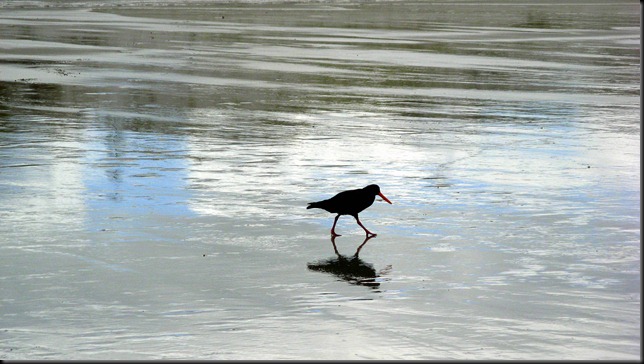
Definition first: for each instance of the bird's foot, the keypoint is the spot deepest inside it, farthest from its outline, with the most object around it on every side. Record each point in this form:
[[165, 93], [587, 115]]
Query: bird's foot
[[371, 235], [333, 234]]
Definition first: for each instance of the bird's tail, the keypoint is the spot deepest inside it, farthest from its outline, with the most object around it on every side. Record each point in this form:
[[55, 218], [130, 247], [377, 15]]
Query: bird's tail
[[313, 205]]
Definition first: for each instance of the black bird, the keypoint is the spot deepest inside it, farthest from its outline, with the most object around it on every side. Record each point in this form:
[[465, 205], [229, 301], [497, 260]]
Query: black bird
[[350, 202]]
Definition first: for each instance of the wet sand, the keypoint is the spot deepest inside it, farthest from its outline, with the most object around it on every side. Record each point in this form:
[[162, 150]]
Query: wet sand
[[156, 160]]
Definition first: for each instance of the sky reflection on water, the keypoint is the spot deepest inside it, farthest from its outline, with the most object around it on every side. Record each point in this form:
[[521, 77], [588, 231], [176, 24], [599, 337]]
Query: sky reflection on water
[[155, 169]]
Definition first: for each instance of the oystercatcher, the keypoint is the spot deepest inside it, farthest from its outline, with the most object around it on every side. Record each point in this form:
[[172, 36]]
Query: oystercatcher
[[350, 202]]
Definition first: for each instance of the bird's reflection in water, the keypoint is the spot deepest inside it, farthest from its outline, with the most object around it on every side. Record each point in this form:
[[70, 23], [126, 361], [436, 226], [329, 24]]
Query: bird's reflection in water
[[351, 269]]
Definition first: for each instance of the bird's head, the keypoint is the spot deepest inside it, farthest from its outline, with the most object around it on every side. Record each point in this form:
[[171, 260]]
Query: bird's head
[[375, 189]]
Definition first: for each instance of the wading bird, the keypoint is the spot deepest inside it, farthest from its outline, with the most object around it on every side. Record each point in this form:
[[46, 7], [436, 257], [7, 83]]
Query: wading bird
[[350, 202]]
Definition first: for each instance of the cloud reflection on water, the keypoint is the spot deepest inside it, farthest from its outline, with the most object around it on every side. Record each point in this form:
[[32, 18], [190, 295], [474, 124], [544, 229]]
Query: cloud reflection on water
[[133, 146]]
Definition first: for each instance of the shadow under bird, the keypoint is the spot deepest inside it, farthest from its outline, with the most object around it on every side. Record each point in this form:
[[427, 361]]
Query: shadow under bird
[[351, 269], [350, 202]]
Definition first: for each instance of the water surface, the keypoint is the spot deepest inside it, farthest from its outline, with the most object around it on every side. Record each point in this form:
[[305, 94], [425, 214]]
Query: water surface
[[156, 159]]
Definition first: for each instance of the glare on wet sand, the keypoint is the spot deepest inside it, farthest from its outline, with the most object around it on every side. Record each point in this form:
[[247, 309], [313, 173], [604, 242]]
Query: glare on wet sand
[[156, 159]]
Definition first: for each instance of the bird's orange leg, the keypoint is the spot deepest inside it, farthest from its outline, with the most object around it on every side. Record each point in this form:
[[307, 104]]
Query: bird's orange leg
[[333, 228], [369, 233]]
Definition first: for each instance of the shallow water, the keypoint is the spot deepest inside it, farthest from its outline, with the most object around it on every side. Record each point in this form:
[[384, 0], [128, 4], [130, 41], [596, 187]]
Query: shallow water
[[156, 160]]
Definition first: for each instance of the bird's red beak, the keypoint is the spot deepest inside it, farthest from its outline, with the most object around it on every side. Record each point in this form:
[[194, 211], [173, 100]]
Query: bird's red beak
[[383, 197]]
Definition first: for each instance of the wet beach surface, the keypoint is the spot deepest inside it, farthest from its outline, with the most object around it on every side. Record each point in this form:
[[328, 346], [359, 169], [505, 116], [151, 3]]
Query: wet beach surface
[[156, 159]]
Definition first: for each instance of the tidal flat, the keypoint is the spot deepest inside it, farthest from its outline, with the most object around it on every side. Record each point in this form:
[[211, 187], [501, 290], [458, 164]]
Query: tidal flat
[[157, 157]]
